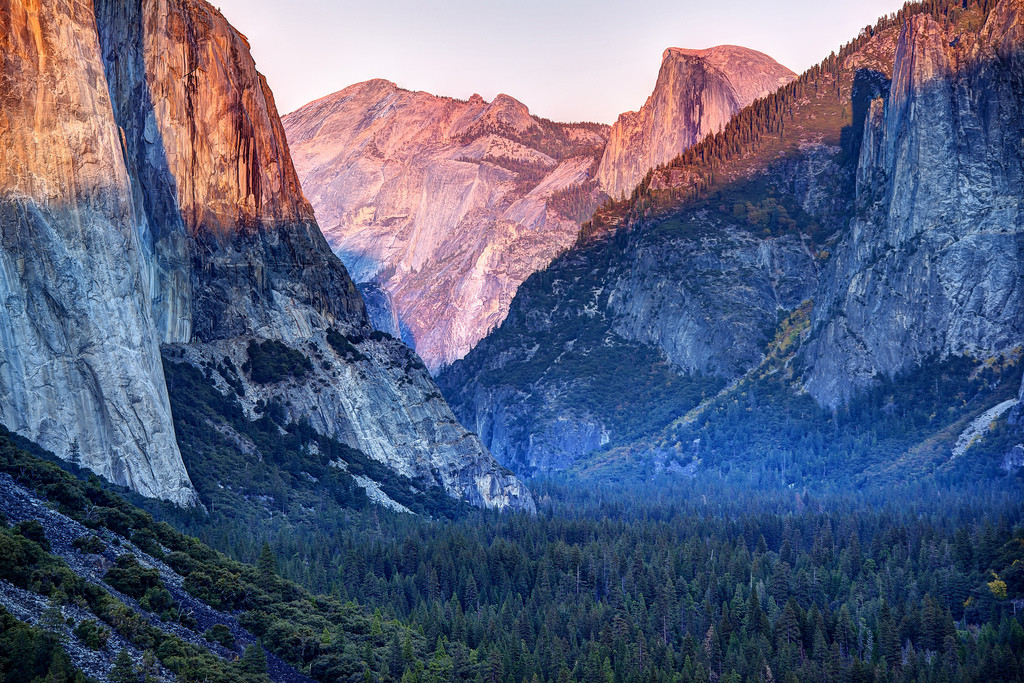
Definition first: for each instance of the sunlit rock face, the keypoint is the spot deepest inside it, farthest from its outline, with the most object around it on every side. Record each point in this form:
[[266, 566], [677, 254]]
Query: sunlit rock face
[[934, 263], [149, 197], [445, 206], [697, 92], [80, 368]]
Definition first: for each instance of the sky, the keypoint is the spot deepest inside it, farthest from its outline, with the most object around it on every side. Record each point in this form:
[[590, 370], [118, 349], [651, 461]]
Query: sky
[[567, 60]]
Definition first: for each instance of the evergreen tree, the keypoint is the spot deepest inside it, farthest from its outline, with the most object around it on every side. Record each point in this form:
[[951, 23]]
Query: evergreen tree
[[253, 661], [123, 670]]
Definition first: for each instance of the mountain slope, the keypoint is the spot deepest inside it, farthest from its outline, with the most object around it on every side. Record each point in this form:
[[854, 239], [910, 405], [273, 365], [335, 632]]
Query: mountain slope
[[697, 92], [445, 205], [783, 211], [118, 580], [231, 269]]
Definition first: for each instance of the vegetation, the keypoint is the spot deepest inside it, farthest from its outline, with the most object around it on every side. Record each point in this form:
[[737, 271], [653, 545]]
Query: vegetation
[[343, 346], [727, 577], [32, 654], [290, 621], [271, 361]]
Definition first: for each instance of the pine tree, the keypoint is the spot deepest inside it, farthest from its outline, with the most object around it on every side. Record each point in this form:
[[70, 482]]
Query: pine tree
[[267, 562], [123, 670], [253, 661]]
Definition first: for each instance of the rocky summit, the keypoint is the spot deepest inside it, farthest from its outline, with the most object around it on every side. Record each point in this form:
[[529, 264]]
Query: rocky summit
[[697, 92], [148, 198], [441, 207]]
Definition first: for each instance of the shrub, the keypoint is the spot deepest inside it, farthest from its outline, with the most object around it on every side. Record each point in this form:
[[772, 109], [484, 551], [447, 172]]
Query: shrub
[[219, 633], [33, 531], [89, 544], [131, 578], [342, 346], [92, 635], [271, 361]]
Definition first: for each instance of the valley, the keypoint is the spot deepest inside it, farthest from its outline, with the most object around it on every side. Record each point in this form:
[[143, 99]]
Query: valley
[[405, 388]]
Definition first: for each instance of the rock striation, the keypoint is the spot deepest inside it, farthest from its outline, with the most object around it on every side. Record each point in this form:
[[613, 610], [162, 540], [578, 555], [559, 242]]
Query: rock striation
[[218, 250], [444, 206], [80, 364], [697, 92]]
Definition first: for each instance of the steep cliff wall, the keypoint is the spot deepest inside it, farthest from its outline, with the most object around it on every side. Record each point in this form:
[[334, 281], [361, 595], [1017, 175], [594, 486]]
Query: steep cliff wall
[[199, 237], [697, 92], [445, 205], [79, 359], [934, 262], [892, 208]]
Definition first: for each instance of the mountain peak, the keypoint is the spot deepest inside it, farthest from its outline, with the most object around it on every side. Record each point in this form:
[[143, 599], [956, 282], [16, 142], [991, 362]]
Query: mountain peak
[[697, 92]]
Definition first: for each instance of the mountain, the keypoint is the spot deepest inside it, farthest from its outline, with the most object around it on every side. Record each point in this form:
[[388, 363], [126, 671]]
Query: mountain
[[830, 279], [697, 92], [442, 207], [150, 202]]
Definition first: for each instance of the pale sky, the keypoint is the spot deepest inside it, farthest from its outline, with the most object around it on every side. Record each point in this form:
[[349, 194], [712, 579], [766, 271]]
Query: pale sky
[[567, 60]]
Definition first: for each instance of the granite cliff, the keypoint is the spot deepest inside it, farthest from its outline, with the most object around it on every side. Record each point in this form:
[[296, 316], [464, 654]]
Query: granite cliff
[[152, 178], [80, 364], [697, 92], [933, 263], [442, 207]]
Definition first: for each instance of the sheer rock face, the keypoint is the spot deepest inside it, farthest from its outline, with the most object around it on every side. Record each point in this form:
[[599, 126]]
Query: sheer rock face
[[697, 92], [80, 365], [186, 226], [234, 244], [934, 263], [444, 205]]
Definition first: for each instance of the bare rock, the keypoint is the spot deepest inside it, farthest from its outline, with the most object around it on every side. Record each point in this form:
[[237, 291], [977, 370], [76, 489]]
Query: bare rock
[[697, 92], [445, 205], [80, 365]]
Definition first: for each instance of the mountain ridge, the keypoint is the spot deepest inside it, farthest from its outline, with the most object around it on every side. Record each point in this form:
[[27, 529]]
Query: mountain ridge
[[695, 258], [444, 204]]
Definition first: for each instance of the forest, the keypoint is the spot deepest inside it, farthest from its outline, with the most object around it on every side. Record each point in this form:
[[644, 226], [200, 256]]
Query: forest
[[716, 578]]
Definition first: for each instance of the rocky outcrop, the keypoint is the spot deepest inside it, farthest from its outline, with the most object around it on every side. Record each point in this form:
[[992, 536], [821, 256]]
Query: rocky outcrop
[[934, 262], [216, 248], [79, 358], [701, 301], [444, 205], [697, 92]]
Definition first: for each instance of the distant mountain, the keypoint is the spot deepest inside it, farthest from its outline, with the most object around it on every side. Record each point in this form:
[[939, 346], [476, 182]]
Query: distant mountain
[[833, 279], [442, 207], [697, 92], [148, 203]]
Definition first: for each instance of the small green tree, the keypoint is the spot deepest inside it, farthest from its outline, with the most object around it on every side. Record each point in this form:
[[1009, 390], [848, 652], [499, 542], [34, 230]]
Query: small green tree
[[253, 661], [267, 563], [123, 670]]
